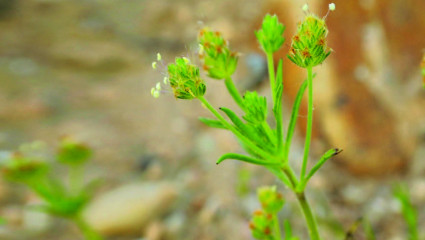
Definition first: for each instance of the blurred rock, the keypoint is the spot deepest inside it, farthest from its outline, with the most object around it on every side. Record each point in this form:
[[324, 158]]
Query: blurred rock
[[130, 208]]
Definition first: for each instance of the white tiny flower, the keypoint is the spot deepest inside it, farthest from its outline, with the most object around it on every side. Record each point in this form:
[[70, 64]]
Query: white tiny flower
[[155, 94], [158, 57], [186, 60], [152, 91], [305, 7], [165, 80], [154, 65], [332, 7], [158, 86]]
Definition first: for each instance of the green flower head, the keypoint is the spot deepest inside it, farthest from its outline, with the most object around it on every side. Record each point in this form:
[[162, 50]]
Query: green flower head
[[24, 169], [73, 152], [270, 36], [185, 80], [309, 47], [219, 61], [270, 199], [261, 225]]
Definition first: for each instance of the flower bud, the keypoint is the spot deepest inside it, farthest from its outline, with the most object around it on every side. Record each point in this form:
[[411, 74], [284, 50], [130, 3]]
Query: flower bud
[[309, 47], [270, 36], [261, 225], [271, 201], [24, 169], [185, 80], [72, 152], [219, 61]]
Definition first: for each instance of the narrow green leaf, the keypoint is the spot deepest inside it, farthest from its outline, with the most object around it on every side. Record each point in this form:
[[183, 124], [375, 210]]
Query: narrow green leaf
[[247, 159], [370, 234], [277, 107], [212, 123], [294, 116], [329, 154], [242, 127]]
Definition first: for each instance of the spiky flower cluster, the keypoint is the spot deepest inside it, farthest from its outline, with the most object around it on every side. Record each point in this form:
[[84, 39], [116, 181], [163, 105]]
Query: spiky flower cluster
[[20, 168], [72, 152], [309, 47], [270, 36], [185, 80], [219, 61], [262, 222]]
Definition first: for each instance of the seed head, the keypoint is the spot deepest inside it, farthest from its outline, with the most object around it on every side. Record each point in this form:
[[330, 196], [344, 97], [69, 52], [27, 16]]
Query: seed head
[[185, 80], [214, 51], [309, 47], [270, 36]]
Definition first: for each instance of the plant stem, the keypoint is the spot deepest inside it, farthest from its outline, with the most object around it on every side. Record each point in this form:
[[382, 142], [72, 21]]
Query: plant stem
[[270, 64], [309, 121], [234, 92], [308, 215], [88, 232], [75, 178], [277, 235]]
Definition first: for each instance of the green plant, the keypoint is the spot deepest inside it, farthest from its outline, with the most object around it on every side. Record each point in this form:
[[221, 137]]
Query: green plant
[[265, 146], [59, 199], [410, 213]]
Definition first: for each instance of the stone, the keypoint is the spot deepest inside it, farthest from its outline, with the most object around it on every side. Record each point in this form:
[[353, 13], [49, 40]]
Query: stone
[[130, 208]]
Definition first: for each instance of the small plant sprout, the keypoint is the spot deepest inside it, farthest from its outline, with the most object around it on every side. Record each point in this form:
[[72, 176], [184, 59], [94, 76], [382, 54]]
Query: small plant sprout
[[59, 199], [264, 145]]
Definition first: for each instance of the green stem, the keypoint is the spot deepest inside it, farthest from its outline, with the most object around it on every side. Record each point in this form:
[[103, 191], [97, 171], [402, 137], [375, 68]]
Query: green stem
[[308, 215], [88, 232], [234, 92], [245, 140], [291, 176], [293, 121], [75, 178], [270, 64], [309, 121], [277, 235]]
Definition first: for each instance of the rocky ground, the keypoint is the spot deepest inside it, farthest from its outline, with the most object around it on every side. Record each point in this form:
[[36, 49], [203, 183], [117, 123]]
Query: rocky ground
[[83, 68]]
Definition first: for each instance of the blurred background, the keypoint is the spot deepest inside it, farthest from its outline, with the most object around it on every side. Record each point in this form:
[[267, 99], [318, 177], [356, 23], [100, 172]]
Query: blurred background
[[83, 68]]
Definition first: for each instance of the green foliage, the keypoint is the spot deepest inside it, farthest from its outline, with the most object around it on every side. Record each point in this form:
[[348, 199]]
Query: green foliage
[[309, 47], [58, 199], [185, 79], [256, 114], [410, 213], [270, 36], [219, 61], [263, 144]]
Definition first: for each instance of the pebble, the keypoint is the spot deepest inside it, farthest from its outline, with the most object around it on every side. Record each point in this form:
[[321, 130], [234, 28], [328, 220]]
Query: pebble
[[130, 208]]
